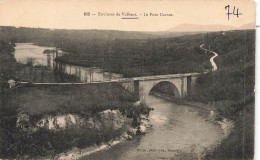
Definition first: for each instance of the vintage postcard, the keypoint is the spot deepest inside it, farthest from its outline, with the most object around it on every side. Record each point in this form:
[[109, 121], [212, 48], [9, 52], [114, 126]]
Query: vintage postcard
[[127, 79]]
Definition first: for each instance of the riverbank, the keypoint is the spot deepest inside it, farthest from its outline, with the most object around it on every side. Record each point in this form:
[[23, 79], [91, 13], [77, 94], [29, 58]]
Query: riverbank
[[239, 144], [58, 118], [95, 131], [77, 153]]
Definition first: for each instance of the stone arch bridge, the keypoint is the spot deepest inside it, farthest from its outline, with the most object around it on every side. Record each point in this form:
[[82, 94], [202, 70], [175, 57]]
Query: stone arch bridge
[[141, 86]]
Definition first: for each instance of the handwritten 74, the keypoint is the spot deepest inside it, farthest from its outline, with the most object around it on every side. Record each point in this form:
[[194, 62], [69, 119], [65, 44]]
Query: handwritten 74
[[235, 11]]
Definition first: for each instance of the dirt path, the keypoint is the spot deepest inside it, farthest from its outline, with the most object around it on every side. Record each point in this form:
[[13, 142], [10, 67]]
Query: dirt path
[[214, 66]]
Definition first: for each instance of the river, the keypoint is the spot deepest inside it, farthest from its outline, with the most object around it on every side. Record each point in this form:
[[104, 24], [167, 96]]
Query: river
[[177, 132]]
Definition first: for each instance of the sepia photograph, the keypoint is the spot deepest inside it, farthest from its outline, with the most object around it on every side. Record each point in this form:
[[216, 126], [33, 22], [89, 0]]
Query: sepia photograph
[[127, 79]]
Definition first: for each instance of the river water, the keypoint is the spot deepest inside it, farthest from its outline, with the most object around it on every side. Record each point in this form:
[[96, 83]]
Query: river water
[[25, 51], [177, 132]]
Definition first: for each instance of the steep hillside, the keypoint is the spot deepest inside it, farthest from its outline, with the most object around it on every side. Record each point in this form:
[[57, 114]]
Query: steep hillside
[[230, 90]]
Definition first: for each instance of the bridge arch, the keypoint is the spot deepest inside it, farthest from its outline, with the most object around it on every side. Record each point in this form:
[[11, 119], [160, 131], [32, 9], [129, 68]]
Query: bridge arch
[[146, 86], [165, 87]]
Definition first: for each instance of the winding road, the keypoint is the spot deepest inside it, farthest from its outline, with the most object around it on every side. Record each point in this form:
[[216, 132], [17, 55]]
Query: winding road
[[214, 66]]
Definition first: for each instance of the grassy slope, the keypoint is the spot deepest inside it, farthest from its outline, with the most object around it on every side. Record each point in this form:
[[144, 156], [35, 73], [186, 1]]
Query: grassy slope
[[71, 98]]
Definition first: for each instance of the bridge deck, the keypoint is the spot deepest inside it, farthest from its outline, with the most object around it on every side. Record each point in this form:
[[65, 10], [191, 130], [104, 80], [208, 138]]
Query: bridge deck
[[125, 79], [165, 76]]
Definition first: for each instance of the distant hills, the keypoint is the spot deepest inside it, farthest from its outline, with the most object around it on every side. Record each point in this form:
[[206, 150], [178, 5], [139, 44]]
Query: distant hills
[[208, 28], [45, 36], [248, 26]]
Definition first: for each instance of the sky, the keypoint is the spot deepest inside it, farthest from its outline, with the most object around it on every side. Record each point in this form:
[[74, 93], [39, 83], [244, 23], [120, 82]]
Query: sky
[[69, 14]]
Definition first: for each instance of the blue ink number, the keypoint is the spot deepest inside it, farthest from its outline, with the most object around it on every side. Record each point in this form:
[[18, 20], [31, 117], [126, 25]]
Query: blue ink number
[[235, 11]]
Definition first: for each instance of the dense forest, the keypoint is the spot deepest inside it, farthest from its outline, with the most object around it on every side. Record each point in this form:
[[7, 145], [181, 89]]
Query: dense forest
[[143, 57]]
